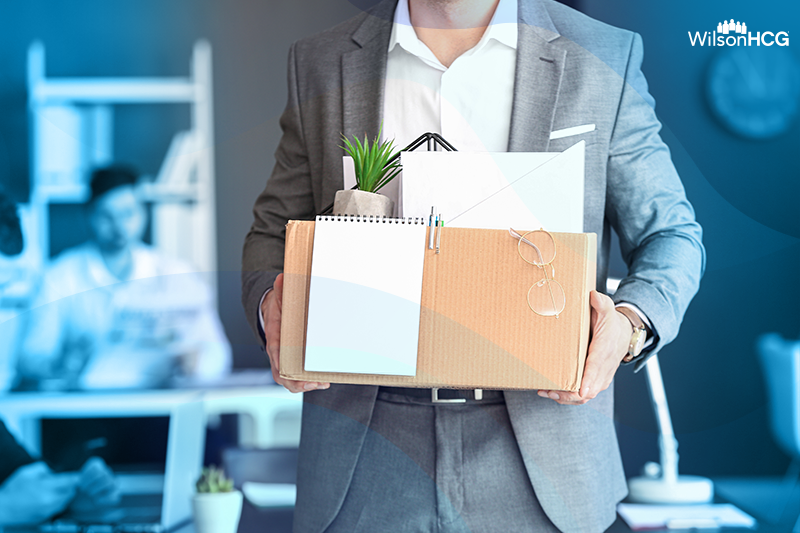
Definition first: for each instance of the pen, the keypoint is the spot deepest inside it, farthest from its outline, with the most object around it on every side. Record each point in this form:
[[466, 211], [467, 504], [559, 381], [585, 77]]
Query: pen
[[439, 236], [435, 227], [432, 229]]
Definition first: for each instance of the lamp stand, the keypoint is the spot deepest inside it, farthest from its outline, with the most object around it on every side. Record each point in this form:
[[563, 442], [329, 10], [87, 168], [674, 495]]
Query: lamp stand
[[661, 483]]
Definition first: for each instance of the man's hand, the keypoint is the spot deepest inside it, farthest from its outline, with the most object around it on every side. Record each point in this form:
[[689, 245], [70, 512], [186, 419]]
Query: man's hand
[[611, 335], [97, 487], [271, 312], [33, 493]]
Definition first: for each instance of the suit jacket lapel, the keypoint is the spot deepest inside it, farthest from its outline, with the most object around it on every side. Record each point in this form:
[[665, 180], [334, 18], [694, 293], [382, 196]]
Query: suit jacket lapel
[[363, 73], [539, 70]]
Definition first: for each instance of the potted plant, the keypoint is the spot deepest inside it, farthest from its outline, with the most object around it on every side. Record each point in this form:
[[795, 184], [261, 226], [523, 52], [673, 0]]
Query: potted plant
[[216, 506], [375, 166]]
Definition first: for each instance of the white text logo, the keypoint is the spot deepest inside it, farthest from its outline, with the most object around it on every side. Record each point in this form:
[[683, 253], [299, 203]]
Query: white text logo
[[734, 33]]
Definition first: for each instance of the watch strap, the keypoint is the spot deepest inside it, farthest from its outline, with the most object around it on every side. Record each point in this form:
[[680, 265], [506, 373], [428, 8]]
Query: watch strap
[[639, 334]]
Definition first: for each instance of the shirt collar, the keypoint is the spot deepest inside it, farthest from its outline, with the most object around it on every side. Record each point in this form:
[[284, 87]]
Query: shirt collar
[[502, 28]]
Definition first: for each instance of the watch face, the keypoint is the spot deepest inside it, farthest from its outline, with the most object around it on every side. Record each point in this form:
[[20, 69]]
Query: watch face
[[755, 90]]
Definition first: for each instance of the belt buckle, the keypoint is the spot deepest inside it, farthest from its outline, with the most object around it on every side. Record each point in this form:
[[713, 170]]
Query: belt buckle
[[435, 397]]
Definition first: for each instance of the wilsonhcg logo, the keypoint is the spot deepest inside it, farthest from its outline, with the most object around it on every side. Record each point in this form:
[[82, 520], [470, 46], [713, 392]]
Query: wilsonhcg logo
[[734, 33]]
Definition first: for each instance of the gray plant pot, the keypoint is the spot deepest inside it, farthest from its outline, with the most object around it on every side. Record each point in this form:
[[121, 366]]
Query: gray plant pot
[[355, 202]]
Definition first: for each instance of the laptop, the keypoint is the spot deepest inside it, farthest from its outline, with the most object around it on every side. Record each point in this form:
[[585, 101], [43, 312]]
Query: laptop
[[156, 458]]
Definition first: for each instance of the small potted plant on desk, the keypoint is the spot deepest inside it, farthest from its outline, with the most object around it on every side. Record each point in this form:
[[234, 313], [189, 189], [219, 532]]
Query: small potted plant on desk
[[217, 506], [375, 166]]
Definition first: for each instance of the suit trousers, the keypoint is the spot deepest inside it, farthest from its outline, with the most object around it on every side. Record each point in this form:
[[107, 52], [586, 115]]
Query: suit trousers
[[440, 467]]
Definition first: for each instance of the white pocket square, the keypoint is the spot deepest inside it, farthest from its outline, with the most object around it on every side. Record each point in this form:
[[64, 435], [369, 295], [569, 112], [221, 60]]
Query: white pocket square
[[575, 130]]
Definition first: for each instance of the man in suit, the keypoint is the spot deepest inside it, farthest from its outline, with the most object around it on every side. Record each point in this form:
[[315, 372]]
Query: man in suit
[[114, 311], [378, 459]]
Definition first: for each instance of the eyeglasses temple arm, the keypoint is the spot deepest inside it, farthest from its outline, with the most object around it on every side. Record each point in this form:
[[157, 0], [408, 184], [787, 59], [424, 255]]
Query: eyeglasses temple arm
[[516, 235]]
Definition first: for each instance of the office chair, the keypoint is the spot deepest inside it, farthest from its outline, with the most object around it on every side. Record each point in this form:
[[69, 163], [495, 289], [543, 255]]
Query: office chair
[[780, 362], [262, 465]]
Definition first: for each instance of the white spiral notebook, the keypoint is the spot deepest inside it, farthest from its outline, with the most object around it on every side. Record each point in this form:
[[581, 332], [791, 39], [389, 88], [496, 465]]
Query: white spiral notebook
[[364, 295]]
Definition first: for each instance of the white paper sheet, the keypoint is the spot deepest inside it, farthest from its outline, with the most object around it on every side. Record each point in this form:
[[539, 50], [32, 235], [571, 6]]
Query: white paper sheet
[[364, 297], [523, 190], [640, 516], [270, 494]]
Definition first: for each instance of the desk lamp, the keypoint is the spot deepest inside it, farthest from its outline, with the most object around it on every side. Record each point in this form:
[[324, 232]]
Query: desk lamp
[[661, 483]]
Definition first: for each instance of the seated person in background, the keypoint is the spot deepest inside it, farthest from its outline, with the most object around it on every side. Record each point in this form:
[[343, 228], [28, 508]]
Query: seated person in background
[[114, 312], [30, 492]]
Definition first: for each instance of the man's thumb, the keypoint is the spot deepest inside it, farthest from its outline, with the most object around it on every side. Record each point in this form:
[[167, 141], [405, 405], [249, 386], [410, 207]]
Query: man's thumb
[[600, 302]]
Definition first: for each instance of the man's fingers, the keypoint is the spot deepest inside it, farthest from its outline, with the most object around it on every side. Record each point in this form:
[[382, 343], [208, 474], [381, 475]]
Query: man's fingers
[[274, 353], [590, 383], [278, 288], [563, 397], [302, 386], [310, 385], [272, 331], [291, 385], [272, 327], [598, 381]]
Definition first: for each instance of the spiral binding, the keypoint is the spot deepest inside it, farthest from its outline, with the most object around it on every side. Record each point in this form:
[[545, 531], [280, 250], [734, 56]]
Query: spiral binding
[[371, 218]]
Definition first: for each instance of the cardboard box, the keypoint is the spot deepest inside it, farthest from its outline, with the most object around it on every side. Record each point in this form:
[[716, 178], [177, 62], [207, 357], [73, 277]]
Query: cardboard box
[[476, 328]]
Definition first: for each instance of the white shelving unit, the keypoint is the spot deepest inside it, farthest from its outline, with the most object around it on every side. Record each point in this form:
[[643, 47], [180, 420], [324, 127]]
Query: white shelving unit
[[72, 123]]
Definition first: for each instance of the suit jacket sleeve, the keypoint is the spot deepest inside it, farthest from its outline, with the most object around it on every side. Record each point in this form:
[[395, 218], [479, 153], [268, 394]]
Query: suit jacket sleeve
[[287, 196], [646, 204]]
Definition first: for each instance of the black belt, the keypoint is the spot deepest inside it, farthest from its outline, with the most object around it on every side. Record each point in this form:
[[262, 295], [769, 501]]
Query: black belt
[[445, 395]]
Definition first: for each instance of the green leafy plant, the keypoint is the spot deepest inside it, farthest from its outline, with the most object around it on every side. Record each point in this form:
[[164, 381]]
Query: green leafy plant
[[372, 162], [213, 480]]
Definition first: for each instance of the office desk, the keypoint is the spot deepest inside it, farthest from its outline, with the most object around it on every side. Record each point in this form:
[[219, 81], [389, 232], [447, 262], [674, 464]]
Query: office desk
[[271, 414], [760, 497], [753, 495]]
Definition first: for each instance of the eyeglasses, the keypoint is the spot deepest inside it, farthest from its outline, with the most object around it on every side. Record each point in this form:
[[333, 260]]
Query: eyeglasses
[[545, 297]]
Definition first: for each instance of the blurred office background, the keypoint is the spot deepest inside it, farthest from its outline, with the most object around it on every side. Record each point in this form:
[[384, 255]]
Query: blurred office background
[[745, 190]]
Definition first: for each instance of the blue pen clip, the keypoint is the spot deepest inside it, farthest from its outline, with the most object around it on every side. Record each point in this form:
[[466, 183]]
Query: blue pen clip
[[432, 228]]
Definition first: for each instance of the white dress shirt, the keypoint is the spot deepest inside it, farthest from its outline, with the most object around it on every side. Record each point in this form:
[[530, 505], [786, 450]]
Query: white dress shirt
[[422, 95]]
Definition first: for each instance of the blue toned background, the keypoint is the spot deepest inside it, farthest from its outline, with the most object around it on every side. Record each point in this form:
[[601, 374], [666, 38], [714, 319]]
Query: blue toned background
[[745, 192]]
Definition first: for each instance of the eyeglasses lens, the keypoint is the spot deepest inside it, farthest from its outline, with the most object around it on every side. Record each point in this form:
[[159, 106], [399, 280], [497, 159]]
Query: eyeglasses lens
[[537, 247]]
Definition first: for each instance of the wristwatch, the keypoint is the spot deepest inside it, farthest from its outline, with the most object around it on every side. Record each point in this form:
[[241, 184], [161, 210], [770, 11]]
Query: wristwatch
[[639, 334]]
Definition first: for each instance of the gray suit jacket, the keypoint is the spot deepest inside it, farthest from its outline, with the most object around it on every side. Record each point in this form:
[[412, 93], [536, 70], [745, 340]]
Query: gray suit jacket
[[571, 70]]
